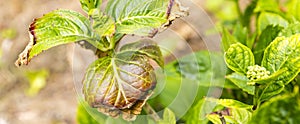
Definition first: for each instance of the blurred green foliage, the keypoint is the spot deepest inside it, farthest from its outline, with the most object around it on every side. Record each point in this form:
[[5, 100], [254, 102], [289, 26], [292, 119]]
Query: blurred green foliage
[[37, 81]]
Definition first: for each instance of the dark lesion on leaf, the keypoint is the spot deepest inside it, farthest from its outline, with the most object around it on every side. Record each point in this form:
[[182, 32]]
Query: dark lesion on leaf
[[222, 113], [24, 56]]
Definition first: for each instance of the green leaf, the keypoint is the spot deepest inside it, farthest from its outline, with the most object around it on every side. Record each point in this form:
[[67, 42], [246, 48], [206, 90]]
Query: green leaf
[[83, 117], [234, 111], [37, 81], [293, 7], [230, 103], [103, 25], [168, 117], [267, 5], [281, 109], [271, 90], [123, 81], [197, 113], [241, 81], [266, 37], [241, 34], [292, 29], [227, 39], [88, 5], [143, 17], [283, 53], [238, 57], [267, 18], [56, 28], [206, 68]]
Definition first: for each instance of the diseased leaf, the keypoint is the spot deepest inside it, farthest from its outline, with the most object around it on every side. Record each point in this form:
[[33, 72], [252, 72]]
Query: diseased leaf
[[146, 47], [267, 18], [143, 17], [266, 37], [281, 109], [88, 5], [122, 83], [283, 53], [56, 28], [238, 57], [241, 81], [233, 112]]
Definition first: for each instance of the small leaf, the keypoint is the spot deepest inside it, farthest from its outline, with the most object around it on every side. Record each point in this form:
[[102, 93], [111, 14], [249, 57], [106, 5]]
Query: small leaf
[[88, 5], [283, 53], [266, 37], [143, 17], [241, 81], [168, 117], [238, 57], [56, 28], [227, 39], [267, 18], [281, 109]]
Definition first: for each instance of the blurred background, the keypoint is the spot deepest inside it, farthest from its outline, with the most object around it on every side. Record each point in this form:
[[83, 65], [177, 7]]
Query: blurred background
[[43, 91]]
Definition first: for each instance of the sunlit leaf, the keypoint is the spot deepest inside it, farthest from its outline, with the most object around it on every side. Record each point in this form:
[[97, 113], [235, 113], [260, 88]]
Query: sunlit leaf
[[88, 5], [56, 28], [143, 17], [293, 7], [238, 57], [283, 53], [168, 117], [267, 5], [233, 112]]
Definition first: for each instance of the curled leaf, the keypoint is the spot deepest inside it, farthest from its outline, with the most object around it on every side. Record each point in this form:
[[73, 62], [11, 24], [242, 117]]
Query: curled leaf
[[122, 83]]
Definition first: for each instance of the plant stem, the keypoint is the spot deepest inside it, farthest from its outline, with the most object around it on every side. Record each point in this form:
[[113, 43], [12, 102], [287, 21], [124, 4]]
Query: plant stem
[[149, 110]]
